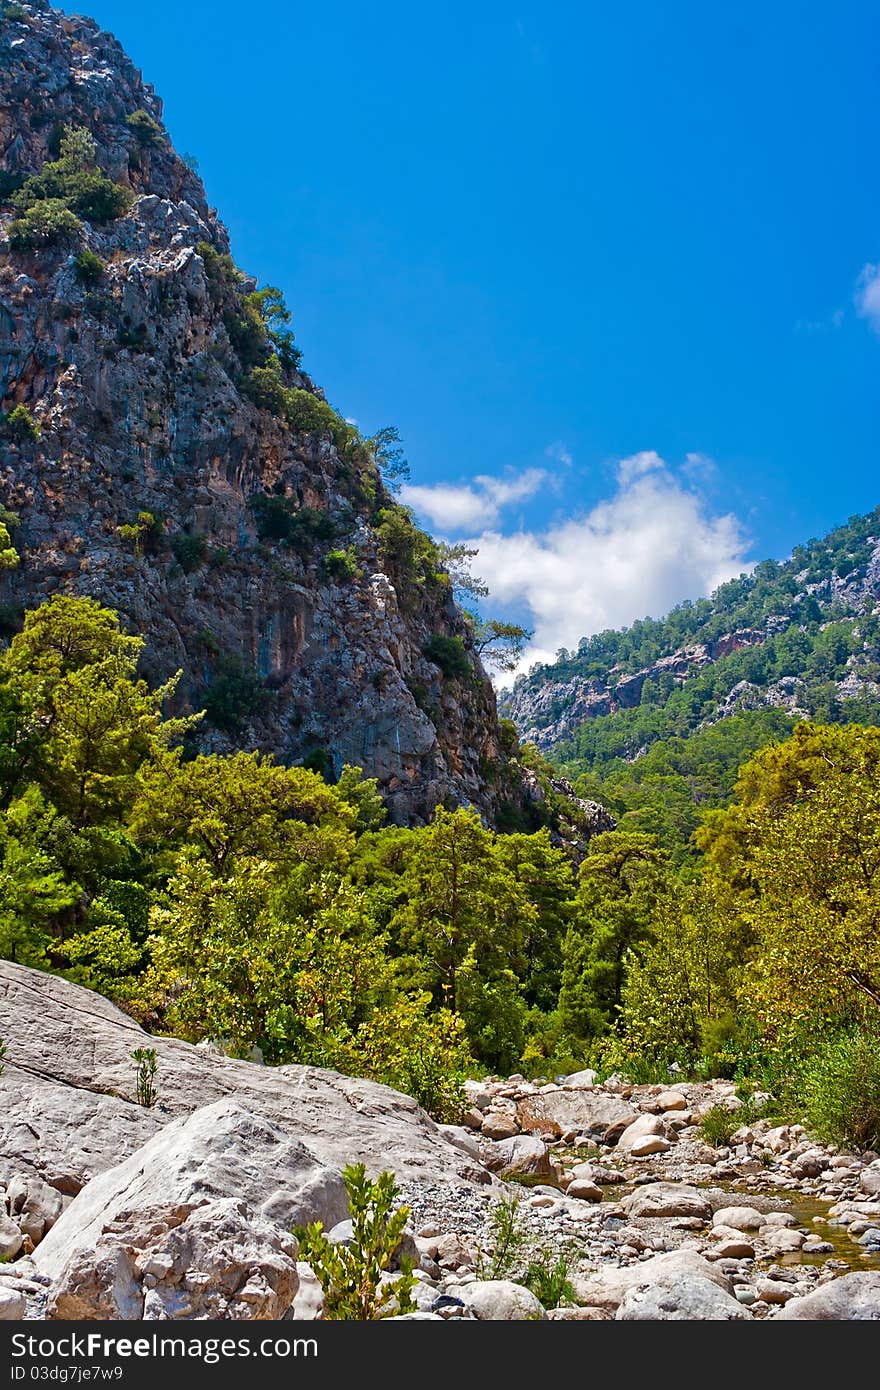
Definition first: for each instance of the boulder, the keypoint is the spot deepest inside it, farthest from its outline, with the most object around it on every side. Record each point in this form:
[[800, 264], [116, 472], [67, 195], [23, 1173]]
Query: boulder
[[688, 1298], [671, 1100], [12, 1305], [581, 1080], [524, 1156], [667, 1199], [731, 1244], [11, 1239], [608, 1287], [852, 1297], [783, 1241], [499, 1124], [215, 1260], [219, 1152], [739, 1218], [584, 1190], [646, 1135], [498, 1300], [34, 1204], [69, 1108], [869, 1179], [592, 1113], [463, 1139]]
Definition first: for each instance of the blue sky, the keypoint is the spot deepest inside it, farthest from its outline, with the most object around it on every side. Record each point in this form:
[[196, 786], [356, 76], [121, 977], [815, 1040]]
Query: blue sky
[[607, 267]]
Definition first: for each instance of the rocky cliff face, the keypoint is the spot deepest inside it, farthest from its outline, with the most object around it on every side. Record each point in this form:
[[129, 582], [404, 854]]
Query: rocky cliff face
[[135, 375], [800, 636]]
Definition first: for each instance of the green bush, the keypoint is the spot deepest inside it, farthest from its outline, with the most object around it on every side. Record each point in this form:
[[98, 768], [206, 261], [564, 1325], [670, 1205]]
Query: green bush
[[423, 1054], [719, 1124], [9, 183], [21, 424], [14, 12], [89, 267], [283, 519], [235, 693], [190, 550], [45, 223], [350, 1275], [841, 1091], [75, 182], [549, 1280], [340, 565], [147, 132], [449, 654]]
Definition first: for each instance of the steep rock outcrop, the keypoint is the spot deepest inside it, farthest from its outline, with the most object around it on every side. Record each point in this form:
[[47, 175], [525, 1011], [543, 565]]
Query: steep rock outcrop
[[135, 374]]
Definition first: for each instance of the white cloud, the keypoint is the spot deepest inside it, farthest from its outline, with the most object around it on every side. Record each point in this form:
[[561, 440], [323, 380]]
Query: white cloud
[[642, 551], [867, 295], [465, 506]]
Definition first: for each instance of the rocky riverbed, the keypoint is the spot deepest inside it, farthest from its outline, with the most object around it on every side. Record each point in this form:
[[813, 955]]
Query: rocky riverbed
[[109, 1209]]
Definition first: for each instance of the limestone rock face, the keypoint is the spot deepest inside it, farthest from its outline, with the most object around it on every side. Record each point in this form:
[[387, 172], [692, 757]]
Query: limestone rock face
[[215, 1260], [69, 1112], [137, 384]]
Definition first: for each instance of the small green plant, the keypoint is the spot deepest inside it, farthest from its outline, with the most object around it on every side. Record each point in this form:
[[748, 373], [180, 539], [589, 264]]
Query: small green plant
[[146, 131], [505, 1236], [2, 1054], [340, 565], [719, 1124], [89, 267], [45, 223], [144, 534], [449, 654], [21, 424], [190, 550], [144, 1059], [549, 1280], [350, 1275], [841, 1091], [14, 12]]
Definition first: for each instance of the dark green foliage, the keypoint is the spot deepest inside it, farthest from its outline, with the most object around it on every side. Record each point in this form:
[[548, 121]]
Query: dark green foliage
[[840, 1085], [387, 454], [21, 425], [89, 267], [74, 181], [283, 519], [320, 761], [190, 549], [350, 1274], [9, 184], [146, 131], [49, 222], [234, 695], [2, 1054], [449, 654], [14, 12]]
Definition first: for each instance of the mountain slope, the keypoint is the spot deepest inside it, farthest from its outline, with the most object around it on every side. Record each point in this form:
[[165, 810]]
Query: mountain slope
[[164, 453], [789, 641]]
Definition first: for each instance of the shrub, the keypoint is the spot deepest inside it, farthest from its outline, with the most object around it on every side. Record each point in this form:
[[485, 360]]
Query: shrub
[[263, 386], [283, 519], [423, 1054], [841, 1091], [2, 1054], [45, 223], [74, 182], [235, 693], [719, 1124], [190, 550], [549, 1280], [14, 12], [9, 183], [449, 654], [21, 424], [89, 267], [146, 131], [505, 1236], [340, 565], [144, 534], [144, 1059], [350, 1275]]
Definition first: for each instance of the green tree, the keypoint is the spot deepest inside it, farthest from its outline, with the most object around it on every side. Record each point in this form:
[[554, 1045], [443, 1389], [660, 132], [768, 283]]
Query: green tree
[[619, 884]]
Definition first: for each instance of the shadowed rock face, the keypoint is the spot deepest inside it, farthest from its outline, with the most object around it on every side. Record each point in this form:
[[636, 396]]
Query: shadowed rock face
[[136, 386], [69, 1113]]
